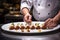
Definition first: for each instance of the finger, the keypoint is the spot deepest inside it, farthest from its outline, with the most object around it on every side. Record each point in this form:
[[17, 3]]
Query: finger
[[29, 20], [46, 22], [25, 19], [30, 17], [49, 23], [52, 25]]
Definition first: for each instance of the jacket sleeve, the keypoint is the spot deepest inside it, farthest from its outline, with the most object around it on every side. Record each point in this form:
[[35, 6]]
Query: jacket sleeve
[[26, 4]]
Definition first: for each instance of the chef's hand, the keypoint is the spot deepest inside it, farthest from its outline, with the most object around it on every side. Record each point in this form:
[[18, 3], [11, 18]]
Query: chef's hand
[[27, 18], [50, 23]]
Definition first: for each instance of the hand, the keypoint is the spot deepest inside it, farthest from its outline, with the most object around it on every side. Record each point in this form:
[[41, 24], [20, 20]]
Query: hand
[[27, 18], [50, 23]]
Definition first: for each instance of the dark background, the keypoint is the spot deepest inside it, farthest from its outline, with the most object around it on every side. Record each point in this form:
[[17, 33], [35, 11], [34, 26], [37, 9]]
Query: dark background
[[6, 9], [10, 5]]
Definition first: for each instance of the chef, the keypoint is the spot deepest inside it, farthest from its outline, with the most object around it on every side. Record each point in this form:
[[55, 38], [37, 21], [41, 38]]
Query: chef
[[43, 10]]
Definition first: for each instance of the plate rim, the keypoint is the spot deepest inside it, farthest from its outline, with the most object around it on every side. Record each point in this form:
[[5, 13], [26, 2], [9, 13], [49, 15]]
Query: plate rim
[[22, 32]]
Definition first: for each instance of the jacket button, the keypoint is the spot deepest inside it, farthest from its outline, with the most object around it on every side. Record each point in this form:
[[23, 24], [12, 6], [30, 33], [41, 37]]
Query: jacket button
[[48, 13], [48, 4], [38, 4], [39, 13]]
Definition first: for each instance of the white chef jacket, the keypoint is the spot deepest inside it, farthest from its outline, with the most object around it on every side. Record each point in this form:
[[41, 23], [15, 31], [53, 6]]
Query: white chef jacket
[[42, 9]]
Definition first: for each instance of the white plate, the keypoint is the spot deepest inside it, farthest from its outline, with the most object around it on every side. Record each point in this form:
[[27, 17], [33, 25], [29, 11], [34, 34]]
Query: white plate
[[6, 28]]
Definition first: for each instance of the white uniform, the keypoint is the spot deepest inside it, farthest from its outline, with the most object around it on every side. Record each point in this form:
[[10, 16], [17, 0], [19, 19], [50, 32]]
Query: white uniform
[[42, 9]]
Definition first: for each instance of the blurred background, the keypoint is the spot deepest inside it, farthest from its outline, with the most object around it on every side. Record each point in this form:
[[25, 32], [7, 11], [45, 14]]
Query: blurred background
[[10, 11]]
